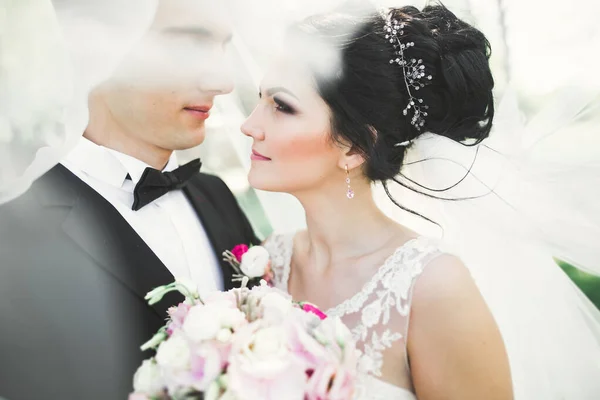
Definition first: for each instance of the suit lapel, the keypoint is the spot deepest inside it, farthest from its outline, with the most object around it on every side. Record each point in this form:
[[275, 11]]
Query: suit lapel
[[98, 228], [216, 229]]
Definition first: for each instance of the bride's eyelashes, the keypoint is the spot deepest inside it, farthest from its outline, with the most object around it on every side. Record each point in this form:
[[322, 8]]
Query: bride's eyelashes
[[280, 105], [283, 107]]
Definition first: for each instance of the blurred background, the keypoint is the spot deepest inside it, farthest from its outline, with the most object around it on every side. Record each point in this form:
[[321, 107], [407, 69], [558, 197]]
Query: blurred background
[[539, 47]]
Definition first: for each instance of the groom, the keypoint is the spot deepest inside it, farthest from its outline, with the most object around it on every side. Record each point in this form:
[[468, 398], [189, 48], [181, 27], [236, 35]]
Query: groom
[[118, 217]]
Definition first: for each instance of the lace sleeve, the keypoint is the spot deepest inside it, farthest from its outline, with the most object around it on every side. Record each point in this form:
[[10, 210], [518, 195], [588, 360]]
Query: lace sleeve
[[280, 247]]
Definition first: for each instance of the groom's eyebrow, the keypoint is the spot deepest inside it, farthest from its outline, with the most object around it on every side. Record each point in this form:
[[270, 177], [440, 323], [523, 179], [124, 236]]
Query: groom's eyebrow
[[198, 31]]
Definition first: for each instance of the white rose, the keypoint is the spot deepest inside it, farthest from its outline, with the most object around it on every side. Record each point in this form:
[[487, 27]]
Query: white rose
[[258, 292], [266, 352], [174, 353], [255, 261], [147, 379], [268, 342], [231, 318], [224, 335], [275, 307], [262, 354], [202, 323]]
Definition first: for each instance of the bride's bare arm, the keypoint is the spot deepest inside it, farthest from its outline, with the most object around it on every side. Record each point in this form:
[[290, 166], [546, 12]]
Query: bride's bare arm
[[455, 347]]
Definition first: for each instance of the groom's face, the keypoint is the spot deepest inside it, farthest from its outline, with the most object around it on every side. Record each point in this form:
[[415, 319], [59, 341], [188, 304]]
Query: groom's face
[[163, 91]]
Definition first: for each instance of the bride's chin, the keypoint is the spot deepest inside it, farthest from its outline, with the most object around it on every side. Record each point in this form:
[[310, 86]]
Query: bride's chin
[[261, 181], [258, 181]]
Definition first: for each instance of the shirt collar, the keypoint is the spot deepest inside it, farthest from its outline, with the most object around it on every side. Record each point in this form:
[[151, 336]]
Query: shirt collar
[[108, 165]]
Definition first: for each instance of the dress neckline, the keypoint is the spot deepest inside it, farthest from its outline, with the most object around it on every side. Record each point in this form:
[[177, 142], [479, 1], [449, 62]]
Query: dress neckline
[[401, 256], [367, 287]]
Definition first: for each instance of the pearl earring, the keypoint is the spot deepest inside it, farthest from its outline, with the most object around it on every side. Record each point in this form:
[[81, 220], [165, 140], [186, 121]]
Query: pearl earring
[[349, 192]]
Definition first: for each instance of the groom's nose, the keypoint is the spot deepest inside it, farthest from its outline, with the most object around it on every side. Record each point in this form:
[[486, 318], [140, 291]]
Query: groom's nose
[[216, 76]]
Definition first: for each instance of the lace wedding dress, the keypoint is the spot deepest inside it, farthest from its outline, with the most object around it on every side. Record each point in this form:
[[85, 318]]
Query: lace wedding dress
[[378, 315]]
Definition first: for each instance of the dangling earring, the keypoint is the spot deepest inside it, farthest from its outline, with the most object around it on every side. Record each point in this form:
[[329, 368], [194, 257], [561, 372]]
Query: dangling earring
[[349, 192]]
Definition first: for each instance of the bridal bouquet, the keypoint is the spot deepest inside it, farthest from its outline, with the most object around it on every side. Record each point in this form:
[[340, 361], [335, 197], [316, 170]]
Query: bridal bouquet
[[246, 344]]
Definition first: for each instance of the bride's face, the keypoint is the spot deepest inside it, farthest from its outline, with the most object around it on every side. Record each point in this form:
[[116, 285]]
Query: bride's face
[[292, 147]]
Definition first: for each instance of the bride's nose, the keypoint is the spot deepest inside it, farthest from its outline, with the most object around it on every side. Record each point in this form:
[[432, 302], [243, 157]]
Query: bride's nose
[[252, 128]]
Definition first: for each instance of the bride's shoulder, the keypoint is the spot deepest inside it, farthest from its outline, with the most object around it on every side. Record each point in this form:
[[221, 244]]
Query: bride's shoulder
[[436, 274], [443, 273], [445, 286], [451, 321], [417, 250], [437, 266]]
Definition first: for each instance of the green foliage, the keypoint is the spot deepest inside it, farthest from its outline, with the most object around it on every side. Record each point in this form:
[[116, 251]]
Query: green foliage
[[589, 284]]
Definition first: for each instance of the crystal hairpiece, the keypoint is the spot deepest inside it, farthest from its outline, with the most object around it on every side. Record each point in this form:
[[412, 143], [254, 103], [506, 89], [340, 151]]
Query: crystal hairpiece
[[413, 72]]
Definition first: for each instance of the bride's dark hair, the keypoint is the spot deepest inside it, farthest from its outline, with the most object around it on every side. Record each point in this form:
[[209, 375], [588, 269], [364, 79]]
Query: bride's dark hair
[[368, 96]]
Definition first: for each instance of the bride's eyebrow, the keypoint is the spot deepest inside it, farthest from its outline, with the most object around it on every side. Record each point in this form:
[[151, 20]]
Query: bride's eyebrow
[[271, 91]]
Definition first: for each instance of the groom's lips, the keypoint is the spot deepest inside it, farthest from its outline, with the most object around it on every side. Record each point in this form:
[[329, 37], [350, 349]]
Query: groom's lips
[[199, 111], [259, 157]]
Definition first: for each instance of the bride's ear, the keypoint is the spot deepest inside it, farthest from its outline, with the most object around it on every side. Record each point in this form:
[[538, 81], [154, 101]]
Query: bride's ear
[[352, 156]]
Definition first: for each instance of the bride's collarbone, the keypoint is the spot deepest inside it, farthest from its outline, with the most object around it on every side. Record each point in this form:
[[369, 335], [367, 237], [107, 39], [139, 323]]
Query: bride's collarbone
[[328, 286]]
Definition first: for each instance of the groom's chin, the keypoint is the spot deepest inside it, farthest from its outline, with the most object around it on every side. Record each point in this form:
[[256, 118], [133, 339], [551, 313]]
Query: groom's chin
[[191, 138]]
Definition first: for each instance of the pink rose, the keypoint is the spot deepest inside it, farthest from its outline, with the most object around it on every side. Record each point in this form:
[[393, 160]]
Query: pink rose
[[330, 382], [206, 366], [262, 365], [334, 376], [239, 250], [311, 308], [338, 341], [178, 315], [305, 347]]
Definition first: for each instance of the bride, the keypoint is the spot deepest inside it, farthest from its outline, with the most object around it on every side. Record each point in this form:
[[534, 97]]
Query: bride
[[324, 134]]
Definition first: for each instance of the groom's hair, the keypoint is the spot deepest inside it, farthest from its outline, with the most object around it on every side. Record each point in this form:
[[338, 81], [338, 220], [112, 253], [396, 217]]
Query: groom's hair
[[368, 95]]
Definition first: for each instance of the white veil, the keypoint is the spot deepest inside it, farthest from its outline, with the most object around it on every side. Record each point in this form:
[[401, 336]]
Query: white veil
[[36, 89], [52, 53], [522, 210], [534, 189], [528, 207]]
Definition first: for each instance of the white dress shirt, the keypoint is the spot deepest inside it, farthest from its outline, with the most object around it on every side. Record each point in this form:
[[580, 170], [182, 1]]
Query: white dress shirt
[[168, 225]]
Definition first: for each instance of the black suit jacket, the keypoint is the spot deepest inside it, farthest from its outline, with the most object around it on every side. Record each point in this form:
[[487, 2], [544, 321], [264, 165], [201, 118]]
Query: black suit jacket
[[73, 275]]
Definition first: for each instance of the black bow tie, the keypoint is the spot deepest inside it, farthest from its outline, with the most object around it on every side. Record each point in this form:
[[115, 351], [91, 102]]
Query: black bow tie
[[154, 183]]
